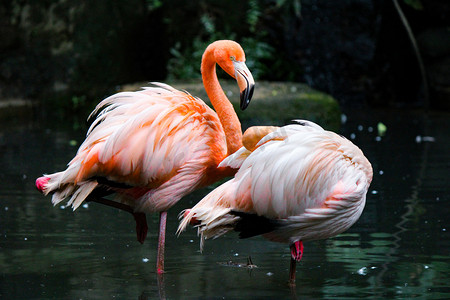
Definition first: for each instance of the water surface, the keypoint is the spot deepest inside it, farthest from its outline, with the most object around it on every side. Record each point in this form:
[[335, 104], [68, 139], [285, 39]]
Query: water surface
[[398, 249]]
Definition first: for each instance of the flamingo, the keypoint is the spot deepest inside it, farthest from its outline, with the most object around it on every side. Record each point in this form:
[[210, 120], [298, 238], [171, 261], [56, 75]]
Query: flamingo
[[295, 183], [154, 146]]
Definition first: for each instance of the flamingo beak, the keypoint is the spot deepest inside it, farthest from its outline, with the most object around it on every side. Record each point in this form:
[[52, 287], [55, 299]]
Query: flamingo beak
[[245, 82]]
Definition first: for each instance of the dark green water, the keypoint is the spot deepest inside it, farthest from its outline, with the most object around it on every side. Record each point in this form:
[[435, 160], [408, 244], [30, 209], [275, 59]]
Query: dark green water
[[398, 249]]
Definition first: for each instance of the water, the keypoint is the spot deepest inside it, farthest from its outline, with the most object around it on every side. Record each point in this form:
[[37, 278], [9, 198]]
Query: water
[[398, 249]]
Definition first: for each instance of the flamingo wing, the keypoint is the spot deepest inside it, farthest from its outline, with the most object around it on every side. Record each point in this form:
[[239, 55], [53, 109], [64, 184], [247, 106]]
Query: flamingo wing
[[155, 138]]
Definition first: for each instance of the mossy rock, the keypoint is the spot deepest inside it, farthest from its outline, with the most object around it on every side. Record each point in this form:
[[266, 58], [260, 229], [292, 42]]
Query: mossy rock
[[273, 103]]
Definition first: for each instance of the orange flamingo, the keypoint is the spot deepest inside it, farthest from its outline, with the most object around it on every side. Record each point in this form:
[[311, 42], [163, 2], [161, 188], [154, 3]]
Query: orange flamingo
[[295, 183], [152, 147]]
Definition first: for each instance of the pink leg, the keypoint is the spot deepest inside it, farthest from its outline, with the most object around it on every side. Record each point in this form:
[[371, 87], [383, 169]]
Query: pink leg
[[292, 272], [161, 242], [141, 226], [296, 255]]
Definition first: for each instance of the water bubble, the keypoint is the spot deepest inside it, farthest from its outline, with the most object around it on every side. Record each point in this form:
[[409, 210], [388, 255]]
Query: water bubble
[[360, 128], [6, 208], [426, 267], [352, 136], [145, 259], [85, 205], [269, 273], [378, 138], [420, 139], [362, 271], [343, 119], [236, 254], [381, 172], [370, 129], [374, 192]]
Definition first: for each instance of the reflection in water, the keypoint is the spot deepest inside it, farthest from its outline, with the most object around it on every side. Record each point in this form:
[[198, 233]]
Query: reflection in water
[[161, 286], [412, 208], [399, 247]]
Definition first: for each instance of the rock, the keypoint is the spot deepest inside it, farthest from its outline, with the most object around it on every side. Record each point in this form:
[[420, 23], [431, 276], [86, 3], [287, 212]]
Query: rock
[[273, 103]]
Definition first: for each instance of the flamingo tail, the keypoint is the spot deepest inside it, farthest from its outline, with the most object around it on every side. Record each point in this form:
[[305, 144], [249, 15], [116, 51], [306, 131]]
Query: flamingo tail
[[211, 215], [61, 190]]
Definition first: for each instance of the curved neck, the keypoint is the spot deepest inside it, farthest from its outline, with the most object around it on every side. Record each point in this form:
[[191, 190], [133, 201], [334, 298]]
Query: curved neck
[[220, 102]]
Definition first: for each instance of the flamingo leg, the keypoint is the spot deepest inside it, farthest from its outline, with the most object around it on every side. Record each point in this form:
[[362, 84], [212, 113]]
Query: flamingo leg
[[161, 242], [292, 272], [141, 226], [296, 255], [141, 221]]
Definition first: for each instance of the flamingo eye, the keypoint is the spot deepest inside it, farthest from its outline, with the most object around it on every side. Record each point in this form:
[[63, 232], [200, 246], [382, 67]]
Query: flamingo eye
[[232, 58]]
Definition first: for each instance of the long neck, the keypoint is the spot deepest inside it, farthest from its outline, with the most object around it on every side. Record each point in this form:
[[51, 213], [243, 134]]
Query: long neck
[[221, 104]]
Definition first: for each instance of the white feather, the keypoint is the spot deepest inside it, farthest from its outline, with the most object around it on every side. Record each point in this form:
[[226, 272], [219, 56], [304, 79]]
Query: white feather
[[312, 181], [81, 193]]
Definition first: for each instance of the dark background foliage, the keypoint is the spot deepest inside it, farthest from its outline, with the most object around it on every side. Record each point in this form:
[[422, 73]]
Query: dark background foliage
[[356, 50]]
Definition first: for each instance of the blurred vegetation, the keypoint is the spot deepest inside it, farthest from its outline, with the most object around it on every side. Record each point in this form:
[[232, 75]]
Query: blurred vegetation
[[252, 23], [78, 52], [416, 4], [180, 31]]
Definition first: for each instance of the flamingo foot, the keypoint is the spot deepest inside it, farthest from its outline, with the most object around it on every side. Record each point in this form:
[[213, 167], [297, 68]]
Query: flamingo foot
[[297, 250], [141, 226], [296, 255], [161, 242], [41, 183]]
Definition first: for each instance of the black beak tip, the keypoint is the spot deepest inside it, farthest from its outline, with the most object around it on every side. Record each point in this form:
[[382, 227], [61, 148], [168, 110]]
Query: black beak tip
[[246, 96], [244, 103]]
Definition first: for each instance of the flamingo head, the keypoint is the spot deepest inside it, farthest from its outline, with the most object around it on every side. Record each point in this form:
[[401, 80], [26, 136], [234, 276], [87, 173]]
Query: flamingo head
[[230, 56]]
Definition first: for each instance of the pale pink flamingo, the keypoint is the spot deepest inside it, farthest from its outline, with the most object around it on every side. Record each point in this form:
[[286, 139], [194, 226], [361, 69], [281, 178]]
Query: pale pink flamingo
[[295, 183], [152, 147]]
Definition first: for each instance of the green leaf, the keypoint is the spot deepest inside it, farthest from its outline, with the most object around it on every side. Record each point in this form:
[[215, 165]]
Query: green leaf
[[381, 129], [416, 4]]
